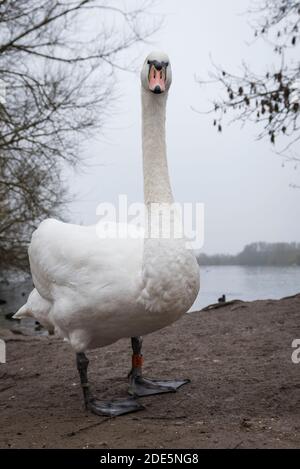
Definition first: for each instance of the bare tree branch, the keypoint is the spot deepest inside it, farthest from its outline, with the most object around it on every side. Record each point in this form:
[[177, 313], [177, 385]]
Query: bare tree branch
[[271, 100], [58, 62]]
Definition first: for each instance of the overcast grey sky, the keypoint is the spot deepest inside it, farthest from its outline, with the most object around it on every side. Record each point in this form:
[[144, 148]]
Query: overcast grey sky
[[241, 182]]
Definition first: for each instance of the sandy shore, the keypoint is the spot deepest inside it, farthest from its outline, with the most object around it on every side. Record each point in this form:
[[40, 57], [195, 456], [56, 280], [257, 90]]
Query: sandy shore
[[245, 390]]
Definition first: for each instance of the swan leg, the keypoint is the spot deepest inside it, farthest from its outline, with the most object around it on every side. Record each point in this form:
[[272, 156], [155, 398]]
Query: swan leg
[[105, 408], [140, 386]]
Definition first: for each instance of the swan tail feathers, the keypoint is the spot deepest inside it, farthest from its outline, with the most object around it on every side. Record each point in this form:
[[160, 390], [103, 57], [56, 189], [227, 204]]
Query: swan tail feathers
[[23, 312], [37, 308]]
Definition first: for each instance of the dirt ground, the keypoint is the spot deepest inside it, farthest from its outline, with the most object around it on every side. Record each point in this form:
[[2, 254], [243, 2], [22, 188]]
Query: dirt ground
[[244, 390]]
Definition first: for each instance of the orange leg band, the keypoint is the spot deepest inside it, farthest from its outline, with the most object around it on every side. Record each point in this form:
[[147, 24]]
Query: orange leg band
[[137, 361]]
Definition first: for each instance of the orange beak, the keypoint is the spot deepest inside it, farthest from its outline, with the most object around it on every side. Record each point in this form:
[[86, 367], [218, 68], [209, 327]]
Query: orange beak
[[157, 80]]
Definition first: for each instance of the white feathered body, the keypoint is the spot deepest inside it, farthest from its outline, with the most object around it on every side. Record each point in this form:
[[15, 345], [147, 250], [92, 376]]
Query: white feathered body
[[94, 291]]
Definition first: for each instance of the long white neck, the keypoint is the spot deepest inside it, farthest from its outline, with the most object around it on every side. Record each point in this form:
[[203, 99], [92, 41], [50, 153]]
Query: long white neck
[[170, 278], [157, 186]]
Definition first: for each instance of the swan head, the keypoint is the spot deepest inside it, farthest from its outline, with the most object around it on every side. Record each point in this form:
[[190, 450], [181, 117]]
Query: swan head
[[156, 74]]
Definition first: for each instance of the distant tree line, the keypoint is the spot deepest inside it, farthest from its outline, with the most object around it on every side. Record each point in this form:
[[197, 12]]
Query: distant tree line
[[260, 253]]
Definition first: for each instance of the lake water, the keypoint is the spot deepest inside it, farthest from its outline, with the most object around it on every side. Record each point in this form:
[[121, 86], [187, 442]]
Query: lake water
[[236, 282], [246, 283]]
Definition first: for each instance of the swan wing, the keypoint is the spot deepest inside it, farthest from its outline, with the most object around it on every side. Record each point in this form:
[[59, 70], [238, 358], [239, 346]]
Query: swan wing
[[75, 257]]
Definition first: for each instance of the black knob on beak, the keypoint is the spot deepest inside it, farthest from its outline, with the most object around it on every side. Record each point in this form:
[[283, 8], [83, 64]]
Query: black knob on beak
[[157, 89]]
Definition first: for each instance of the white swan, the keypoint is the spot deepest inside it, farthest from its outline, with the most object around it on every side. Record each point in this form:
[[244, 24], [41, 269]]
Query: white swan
[[95, 291]]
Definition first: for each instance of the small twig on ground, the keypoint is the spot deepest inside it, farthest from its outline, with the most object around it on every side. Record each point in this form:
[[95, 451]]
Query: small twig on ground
[[82, 429]]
